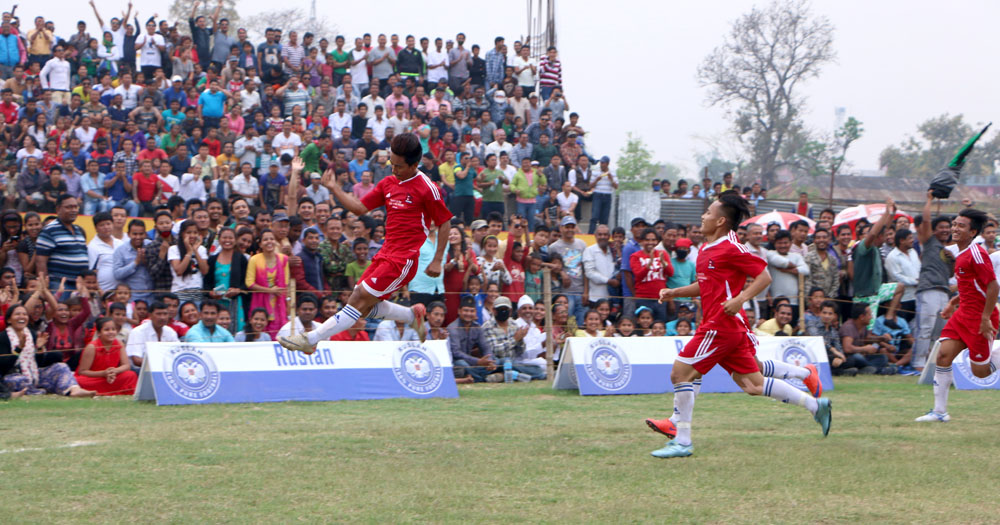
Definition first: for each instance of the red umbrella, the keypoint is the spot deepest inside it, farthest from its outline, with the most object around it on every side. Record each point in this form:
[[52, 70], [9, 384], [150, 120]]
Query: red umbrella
[[783, 218], [870, 212]]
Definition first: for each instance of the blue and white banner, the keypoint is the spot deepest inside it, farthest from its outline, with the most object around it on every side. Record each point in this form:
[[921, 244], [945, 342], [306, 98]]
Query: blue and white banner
[[961, 373], [642, 365], [195, 373]]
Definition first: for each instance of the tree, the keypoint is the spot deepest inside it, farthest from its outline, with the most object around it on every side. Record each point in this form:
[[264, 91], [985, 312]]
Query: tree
[[290, 19], [180, 10], [938, 139], [716, 165], [756, 71], [635, 168]]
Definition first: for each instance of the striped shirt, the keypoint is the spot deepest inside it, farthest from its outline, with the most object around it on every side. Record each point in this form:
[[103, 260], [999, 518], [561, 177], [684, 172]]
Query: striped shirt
[[299, 97], [70, 259], [550, 72]]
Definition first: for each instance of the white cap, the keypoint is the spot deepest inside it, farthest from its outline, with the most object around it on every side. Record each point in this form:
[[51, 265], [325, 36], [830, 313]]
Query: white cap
[[525, 300]]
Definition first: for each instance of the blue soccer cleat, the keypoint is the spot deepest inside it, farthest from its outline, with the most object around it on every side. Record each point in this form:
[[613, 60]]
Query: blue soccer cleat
[[824, 414], [673, 449]]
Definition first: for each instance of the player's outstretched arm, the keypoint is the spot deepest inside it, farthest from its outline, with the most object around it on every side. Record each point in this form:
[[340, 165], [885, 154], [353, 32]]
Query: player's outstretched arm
[[691, 290], [348, 200], [759, 284]]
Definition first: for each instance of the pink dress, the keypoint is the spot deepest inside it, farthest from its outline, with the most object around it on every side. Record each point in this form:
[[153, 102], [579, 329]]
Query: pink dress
[[270, 277]]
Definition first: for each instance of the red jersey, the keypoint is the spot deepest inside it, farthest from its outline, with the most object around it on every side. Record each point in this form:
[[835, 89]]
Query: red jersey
[[411, 207], [650, 280], [145, 187], [974, 272], [723, 267]]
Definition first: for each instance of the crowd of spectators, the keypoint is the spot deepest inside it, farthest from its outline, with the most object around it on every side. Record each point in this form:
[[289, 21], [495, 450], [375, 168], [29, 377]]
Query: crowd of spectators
[[204, 163]]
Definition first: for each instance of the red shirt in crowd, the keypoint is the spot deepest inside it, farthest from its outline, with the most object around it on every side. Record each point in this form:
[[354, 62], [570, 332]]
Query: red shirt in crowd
[[152, 154], [145, 187], [651, 272]]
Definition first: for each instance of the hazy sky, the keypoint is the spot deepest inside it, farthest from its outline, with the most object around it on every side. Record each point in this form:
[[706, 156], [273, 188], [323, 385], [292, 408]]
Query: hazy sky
[[630, 65]]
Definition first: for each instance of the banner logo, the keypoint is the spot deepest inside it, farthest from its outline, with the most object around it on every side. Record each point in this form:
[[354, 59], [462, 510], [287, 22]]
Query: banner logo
[[962, 364], [416, 370], [608, 367], [794, 354], [191, 373]]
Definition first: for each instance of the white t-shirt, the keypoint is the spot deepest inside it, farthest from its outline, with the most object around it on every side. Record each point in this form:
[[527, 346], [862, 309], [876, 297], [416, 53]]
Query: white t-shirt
[[191, 187], [150, 53], [130, 95], [282, 144], [145, 333], [526, 77], [359, 71], [184, 282], [86, 136], [170, 185], [565, 202], [100, 258], [434, 58]]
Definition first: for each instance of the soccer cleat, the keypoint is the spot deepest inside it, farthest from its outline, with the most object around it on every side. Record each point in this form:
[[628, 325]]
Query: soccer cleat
[[663, 426], [933, 416], [419, 312], [812, 381], [673, 449], [297, 343], [824, 414]]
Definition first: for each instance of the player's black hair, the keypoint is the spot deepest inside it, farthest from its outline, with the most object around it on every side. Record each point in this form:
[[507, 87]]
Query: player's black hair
[[407, 145], [901, 235], [735, 208], [977, 219]]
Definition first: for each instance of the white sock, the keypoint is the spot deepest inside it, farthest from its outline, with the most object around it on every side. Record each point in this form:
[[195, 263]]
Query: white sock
[[782, 370], [942, 382], [337, 323], [391, 311], [683, 410], [696, 384], [786, 393]]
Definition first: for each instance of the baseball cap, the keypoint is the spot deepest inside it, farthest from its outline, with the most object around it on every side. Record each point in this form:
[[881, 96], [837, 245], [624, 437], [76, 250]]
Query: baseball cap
[[638, 220], [475, 131], [176, 78], [605, 159], [315, 176], [567, 220], [478, 223], [279, 217], [683, 243], [533, 95], [502, 302], [571, 133]]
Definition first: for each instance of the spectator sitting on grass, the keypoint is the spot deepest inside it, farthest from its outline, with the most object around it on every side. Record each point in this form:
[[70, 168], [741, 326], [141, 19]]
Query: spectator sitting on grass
[[863, 350], [306, 308], [827, 329], [206, 330], [780, 324], [899, 348], [470, 352], [504, 338]]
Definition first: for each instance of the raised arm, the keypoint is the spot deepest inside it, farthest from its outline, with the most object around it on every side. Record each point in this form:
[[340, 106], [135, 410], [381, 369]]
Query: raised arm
[[100, 23], [348, 200], [880, 224]]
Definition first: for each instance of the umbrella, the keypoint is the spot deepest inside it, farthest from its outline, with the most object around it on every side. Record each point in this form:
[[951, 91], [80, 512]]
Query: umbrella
[[870, 212], [783, 218]]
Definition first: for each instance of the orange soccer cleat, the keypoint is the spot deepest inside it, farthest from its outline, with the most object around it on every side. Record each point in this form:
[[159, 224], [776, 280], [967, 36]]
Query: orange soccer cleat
[[663, 426], [812, 381]]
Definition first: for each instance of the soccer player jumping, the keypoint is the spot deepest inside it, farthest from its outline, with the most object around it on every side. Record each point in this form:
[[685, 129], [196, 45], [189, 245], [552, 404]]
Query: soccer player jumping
[[974, 324], [413, 205], [724, 337]]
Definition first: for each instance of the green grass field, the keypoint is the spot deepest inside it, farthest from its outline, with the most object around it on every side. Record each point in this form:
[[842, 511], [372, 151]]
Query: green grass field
[[518, 453]]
